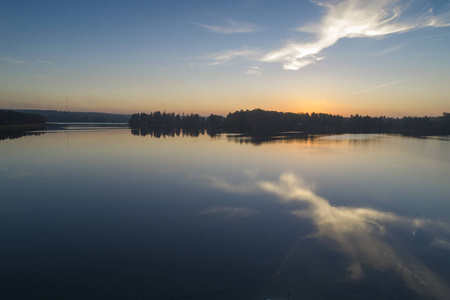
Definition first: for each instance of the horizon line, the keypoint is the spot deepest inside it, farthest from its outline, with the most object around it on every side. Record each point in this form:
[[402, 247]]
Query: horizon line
[[207, 115]]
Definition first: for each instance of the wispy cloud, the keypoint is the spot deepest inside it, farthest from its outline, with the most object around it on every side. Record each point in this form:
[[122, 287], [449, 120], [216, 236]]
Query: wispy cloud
[[254, 70], [387, 50], [226, 56], [430, 54], [44, 62], [218, 183], [233, 27], [432, 38], [382, 86], [356, 18], [14, 61]]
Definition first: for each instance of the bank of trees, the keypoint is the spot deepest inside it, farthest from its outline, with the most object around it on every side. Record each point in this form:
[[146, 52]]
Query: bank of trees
[[79, 117], [270, 121], [158, 119], [9, 117], [263, 122]]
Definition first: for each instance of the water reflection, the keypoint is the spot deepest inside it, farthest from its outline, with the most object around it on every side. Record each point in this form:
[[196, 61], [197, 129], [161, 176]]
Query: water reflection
[[158, 132], [285, 137], [15, 134], [281, 137], [163, 132], [367, 237], [127, 212], [228, 212]]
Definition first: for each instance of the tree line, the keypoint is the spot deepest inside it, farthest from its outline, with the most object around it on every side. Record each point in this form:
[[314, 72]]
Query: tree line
[[158, 119], [9, 117], [79, 117], [263, 122]]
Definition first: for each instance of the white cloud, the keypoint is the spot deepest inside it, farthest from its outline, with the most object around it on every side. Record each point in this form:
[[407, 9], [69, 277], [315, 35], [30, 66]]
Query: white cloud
[[223, 185], [382, 86], [15, 61], [387, 50], [356, 18], [254, 70], [233, 27], [226, 56]]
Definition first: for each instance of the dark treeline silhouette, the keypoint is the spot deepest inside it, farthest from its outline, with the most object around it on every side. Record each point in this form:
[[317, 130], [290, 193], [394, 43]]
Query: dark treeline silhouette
[[158, 119], [80, 117], [267, 122], [262, 122], [9, 117], [14, 125]]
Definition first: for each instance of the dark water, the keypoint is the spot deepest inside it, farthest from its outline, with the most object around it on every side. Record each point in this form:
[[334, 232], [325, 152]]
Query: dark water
[[101, 213]]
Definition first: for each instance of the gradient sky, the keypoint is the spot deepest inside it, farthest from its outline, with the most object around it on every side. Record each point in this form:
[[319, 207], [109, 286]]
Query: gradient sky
[[378, 57]]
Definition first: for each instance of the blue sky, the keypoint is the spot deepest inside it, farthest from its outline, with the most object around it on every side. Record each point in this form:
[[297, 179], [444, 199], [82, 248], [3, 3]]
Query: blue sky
[[380, 57]]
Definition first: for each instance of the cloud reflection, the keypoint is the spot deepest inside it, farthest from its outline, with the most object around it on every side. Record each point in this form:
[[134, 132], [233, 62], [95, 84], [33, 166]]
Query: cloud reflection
[[229, 212], [361, 233], [220, 184], [366, 236]]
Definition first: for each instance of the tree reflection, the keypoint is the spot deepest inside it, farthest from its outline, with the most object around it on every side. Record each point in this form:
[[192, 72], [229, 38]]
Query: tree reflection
[[163, 132], [259, 139], [16, 134], [254, 139]]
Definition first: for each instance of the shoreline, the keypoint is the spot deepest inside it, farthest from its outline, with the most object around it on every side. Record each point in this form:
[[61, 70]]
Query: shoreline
[[23, 127]]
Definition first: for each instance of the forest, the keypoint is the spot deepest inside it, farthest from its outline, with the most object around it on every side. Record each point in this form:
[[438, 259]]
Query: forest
[[9, 117], [79, 117], [263, 122]]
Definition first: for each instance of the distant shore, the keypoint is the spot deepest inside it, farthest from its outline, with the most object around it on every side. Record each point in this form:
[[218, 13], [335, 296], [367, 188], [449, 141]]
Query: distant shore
[[260, 122], [22, 127]]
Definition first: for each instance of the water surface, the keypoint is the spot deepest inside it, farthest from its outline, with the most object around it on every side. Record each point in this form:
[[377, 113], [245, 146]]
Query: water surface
[[104, 213]]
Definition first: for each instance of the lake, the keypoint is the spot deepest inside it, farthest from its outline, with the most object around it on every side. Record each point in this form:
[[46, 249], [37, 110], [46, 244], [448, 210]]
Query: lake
[[92, 212]]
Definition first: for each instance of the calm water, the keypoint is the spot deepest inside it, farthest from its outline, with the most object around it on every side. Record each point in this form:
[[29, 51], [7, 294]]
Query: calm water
[[101, 213]]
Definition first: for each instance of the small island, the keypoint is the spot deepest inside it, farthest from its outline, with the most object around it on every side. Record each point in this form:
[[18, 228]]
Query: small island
[[260, 122]]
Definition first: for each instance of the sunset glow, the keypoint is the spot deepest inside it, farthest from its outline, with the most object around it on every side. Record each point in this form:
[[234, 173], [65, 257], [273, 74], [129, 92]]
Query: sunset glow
[[346, 57]]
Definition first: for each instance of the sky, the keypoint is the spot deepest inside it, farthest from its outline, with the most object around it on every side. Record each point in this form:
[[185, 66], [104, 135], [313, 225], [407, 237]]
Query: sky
[[377, 57]]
